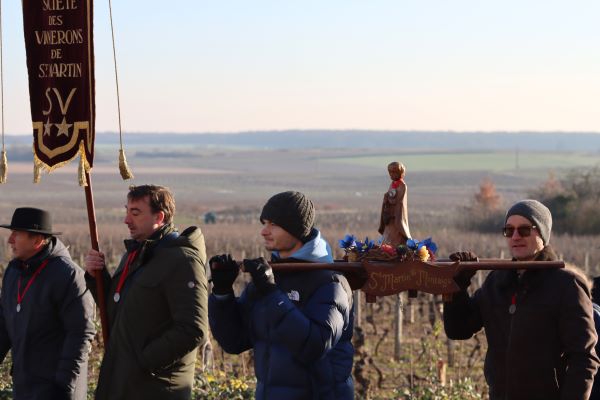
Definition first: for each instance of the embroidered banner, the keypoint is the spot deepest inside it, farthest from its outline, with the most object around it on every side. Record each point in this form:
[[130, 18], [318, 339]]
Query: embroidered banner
[[60, 62]]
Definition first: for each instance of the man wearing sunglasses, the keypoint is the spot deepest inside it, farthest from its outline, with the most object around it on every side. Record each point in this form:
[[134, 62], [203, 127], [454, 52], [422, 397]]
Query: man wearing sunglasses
[[538, 323]]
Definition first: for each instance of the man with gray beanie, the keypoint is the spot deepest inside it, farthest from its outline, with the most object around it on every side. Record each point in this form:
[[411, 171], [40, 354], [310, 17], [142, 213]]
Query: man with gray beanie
[[538, 323], [298, 323]]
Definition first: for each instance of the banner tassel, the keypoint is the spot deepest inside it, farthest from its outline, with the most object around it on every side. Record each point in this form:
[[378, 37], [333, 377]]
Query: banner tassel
[[123, 167], [3, 167], [81, 172]]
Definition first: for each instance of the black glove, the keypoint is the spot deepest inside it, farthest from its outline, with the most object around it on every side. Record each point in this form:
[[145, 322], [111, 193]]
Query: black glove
[[223, 271], [59, 392], [262, 275], [463, 278]]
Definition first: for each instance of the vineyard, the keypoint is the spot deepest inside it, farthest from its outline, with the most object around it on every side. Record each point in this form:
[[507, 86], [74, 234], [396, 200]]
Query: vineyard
[[412, 359], [421, 364]]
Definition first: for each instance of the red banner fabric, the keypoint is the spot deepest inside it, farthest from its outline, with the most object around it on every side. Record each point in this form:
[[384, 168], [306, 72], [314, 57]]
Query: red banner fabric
[[60, 62]]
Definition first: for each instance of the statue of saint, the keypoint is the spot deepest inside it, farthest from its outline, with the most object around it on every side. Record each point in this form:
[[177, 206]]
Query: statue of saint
[[394, 211]]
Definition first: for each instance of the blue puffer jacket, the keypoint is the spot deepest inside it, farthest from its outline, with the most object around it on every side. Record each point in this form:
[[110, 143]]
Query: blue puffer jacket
[[301, 334]]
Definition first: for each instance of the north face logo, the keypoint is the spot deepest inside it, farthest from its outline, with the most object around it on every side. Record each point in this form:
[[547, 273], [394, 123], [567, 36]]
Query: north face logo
[[293, 295]]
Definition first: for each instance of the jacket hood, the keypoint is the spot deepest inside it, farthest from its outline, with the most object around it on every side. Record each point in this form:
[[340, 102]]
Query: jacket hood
[[58, 249], [315, 250], [191, 237], [54, 249]]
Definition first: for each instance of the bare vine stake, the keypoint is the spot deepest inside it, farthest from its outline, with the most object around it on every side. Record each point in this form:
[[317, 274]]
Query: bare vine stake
[[398, 327], [357, 309]]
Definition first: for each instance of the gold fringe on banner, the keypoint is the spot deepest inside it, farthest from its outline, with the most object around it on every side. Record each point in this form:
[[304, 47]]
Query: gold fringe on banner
[[3, 167], [84, 166], [123, 167], [81, 171]]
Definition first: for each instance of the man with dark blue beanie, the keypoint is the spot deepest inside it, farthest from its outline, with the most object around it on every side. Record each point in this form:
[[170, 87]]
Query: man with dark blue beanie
[[298, 323]]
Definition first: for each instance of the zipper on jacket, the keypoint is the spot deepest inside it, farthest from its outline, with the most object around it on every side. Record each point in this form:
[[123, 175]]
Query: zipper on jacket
[[512, 309]]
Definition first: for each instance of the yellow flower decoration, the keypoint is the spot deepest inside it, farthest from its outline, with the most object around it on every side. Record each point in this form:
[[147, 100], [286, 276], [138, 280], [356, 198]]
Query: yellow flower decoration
[[423, 253]]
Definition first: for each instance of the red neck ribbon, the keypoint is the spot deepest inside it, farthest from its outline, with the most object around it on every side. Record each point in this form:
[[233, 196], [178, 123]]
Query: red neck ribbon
[[35, 274], [123, 276]]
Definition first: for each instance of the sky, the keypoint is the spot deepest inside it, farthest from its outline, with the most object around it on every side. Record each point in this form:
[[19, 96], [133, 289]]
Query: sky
[[236, 65]]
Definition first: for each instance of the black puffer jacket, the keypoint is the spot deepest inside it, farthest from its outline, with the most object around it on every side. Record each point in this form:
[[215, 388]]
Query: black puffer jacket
[[50, 336], [545, 349]]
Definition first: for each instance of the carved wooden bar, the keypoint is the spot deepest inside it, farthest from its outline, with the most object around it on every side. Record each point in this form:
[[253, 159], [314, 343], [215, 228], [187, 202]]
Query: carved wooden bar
[[385, 278]]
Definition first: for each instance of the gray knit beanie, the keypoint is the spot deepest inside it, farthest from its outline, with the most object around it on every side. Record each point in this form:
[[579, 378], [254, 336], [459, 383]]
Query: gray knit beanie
[[293, 211], [537, 213]]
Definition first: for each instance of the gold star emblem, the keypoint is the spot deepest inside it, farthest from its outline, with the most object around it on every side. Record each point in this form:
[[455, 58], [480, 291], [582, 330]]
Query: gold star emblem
[[47, 127], [63, 128]]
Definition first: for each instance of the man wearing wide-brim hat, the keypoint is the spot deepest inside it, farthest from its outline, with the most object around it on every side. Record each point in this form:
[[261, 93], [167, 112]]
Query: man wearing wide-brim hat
[[45, 312]]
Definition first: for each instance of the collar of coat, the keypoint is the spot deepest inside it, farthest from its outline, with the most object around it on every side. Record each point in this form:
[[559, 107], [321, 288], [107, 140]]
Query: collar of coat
[[530, 278], [29, 266], [145, 247], [131, 244]]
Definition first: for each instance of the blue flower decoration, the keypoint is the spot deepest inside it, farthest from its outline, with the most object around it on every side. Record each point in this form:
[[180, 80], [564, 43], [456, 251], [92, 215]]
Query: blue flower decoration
[[430, 244], [416, 245], [347, 242], [412, 244], [365, 246]]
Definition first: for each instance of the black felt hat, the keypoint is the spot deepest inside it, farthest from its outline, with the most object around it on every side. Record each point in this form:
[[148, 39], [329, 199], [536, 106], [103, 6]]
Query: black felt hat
[[293, 211], [31, 220]]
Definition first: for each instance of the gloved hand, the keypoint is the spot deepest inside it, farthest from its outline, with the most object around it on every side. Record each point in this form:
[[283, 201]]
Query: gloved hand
[[223, 271], [262, 275], [463, 279], [59, 392]]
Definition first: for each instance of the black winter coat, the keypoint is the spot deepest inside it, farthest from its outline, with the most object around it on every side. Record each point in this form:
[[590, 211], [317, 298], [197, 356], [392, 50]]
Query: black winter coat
[[160, 320], [50, 337], [544, 350]]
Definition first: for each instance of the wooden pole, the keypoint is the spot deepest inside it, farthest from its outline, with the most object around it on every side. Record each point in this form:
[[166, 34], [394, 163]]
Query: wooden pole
[[89, 199]]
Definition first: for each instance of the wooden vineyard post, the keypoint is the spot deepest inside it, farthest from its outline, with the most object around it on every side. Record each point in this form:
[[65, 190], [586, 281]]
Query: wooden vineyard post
[[398, 325], [357, 309]]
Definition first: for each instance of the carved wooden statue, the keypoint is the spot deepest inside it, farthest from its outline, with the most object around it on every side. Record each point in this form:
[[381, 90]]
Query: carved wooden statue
[[394, 211]]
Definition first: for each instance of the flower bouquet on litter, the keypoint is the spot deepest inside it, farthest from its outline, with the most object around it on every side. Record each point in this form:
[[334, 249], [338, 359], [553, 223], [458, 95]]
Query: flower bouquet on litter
[[367, 250]]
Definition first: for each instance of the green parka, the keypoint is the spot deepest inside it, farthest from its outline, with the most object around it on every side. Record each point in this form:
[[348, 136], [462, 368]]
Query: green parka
[[160, 320]]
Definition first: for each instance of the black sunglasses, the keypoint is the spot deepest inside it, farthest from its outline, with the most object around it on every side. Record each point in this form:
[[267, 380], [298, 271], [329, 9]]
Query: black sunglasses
[[524, 231]]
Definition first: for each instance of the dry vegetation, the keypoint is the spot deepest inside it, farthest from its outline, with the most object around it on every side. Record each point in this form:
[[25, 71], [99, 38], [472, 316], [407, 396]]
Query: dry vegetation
[[348, 201]]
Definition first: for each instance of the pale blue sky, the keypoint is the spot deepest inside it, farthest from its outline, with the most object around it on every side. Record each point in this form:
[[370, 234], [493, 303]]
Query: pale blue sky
[[223, 66]]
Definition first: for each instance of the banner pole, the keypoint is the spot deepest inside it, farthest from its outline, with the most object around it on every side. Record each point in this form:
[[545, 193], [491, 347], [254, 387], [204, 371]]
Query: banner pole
[[91, 211]]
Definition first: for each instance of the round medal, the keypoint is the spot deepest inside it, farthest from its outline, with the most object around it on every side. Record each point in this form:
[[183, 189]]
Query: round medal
[[392, 192], [512, 308], [19, 307], [117, 297]]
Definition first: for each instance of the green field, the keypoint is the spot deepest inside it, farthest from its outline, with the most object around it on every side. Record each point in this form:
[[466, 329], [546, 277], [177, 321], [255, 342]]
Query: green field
[[481, 161]]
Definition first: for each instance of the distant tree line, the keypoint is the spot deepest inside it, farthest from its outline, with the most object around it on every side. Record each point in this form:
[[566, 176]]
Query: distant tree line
[[573, 200]]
